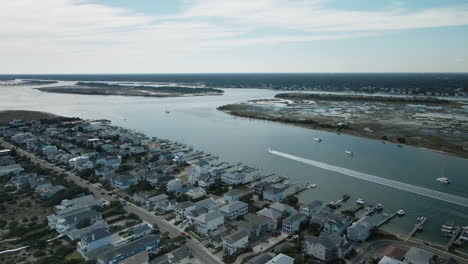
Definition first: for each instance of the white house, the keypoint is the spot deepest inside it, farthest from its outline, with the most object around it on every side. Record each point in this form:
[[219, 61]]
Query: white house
[[281, 259], [273, 194], [209, 222], [81, 163], [234, 210], [196, 171], [293, 223], [93, 240], [235, 242], [233, 178], [321, 248]]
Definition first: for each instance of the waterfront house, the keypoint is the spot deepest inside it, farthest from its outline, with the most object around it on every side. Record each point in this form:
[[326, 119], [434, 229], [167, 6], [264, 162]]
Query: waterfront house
[[321, 215], [233, 178], [259, 222], [310, 208], [337, 224], [149, 243], [234, 210], [94, 240], [235, 242], [209, 222], [293, 223], [196, 171], [273, 194], [361, 229], [273, 216], [206, 180], [282, 208]]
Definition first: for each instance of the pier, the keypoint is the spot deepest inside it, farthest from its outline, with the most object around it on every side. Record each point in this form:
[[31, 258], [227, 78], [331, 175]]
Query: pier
[[257, 178], [298, 190], [455, 239], [417, 227], [388, 218]]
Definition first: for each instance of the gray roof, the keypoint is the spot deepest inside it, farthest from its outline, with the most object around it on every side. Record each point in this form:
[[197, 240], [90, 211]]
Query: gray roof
[[129, 247], [261, 259], [232, 207], [269, 213], [418, 256], [78, 215], [274, 190], [234, 192], [184, 205], [98, 234], [208, 217], [77, 233], [207, 203], [281, 207], [256, 219], [179, 254], [294, 218], [141, 229], [236, 236], [324, 241]]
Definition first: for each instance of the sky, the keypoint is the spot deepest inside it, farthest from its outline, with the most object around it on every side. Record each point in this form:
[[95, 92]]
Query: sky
[[223, 36]]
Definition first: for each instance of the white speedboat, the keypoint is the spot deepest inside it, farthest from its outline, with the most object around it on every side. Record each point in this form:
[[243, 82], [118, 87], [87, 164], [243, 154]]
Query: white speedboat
[[360, 201], [443, 180], [269, 150], [317, 139], [379, 206], [349, 152], [313, 185], [401, 212]]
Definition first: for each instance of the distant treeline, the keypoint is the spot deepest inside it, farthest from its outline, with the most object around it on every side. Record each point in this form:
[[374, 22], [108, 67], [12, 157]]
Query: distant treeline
[[168, 89], [336, 97]]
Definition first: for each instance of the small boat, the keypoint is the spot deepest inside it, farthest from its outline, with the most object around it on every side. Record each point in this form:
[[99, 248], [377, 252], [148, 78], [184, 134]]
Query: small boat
[[286, 182], [360, 201], [447, 227], [167, 111], [346, 197], [401, 212], [379, 206], [269, 150], [446, 231], [443, 180], [317, 139], [349, 152], [420, 218], [313, 185]]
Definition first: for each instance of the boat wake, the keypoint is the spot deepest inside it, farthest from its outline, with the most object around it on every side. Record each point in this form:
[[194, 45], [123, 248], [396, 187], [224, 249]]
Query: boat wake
[[378, 180]]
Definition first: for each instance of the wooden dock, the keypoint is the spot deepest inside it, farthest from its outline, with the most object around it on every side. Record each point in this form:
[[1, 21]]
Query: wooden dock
[[417, 227], [455, 237], [388, 218]]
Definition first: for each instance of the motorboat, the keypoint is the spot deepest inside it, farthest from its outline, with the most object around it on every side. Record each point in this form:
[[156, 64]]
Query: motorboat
[[313, 185], [401, 212], [317, 139], [349, 152], [360, 201], [443, 180], [379, 206]]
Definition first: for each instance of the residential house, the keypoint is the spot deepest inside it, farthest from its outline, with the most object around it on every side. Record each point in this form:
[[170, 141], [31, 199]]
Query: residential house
[[216, 239], [149, 243], [196, 212], [310, 208], [321, 248], [273, 216], [233, 178], [261, 259], [85, 201], [196, 171], [209, 222], [141, 197], [64, 222], [196, 192], [259, 222], [233, 195], [234, 210], [178, 256], [282, 208], [76, 234], [81, 163], [141, 231], [46, 191], [361, 229], [337, 224], [124, 181], [49, 150], [281, 259], [93, 240], [208, 203], [389, 260], [273, 194], [418, 256], [154, 202], [112, 161], [293, 222], [235, 242], [206, 180], [254, 231], [174, 185], [183, 208], [321, 215]]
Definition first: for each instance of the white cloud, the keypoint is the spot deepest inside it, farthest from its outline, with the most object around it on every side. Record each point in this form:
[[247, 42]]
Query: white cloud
[[73, 29]]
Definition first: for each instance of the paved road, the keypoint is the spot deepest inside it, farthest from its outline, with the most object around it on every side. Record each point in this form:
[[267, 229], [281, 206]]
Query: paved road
[[197, 249]]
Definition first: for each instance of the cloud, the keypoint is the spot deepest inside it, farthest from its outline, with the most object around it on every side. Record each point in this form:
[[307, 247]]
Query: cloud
[[73, 29]]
